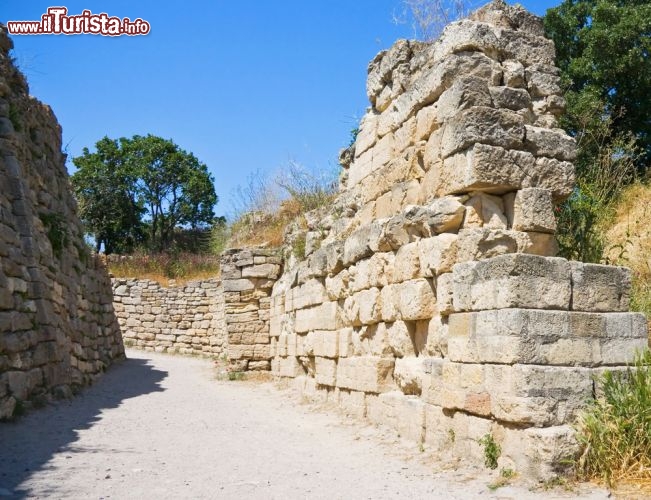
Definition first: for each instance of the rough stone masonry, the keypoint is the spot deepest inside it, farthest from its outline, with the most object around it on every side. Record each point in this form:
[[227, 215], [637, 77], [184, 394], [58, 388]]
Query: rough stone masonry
[[58, 330], [430, 299], [185, 319]]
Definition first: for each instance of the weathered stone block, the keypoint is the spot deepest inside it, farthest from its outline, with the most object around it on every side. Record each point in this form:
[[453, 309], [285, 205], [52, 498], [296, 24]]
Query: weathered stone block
[[545, 337], [540, 453], [416, 299], [366, 374], [510, 98], [484, 125], [326, 344], [485, 243], [497, 170], [249, 352], [409, 374], [404, 414], [367, 134], [464, 93], [437, 255], [522, 394], [326, 371], [357, 246], [370, 306], [550, 143], [270, 271], [353, 402], [327, 316], [533, 210], [238, 285], [596, 287], [400, 339], [407, 263], [311, 293], [484, 210], [345, 343], [512, 280]]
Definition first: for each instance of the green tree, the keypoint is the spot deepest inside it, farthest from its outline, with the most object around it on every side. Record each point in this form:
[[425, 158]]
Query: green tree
[[603, 49], [142, 190], [173, 185], [105, 189]]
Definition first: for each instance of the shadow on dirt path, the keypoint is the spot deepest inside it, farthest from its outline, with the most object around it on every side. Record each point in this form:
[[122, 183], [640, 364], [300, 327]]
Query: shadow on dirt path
[[56, 428]]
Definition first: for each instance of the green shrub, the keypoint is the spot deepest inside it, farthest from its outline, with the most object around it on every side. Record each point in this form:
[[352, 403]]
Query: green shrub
[[492, 451], [615, 430]]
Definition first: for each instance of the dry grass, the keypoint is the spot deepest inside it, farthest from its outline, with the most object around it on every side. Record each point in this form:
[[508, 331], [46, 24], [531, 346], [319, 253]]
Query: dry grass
[[266, 206], [254, 229], [629, 234], [166, 269]]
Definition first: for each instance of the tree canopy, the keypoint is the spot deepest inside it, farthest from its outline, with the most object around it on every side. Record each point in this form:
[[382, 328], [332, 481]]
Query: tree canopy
[[139, 191], [602, 49]]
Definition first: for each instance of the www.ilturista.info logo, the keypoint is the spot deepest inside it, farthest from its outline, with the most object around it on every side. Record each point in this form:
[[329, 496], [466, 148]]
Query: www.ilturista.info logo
[[57, 21]]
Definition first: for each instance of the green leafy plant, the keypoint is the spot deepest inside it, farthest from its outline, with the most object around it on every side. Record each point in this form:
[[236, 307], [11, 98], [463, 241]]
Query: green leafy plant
[[492, 451], [14, 117], [298, 246]]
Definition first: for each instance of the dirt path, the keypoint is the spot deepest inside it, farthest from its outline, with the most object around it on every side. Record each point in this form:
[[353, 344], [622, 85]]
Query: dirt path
[[160, 426]]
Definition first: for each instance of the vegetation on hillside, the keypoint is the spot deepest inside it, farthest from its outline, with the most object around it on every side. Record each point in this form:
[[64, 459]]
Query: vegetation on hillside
[[266, 206], [164, 267]]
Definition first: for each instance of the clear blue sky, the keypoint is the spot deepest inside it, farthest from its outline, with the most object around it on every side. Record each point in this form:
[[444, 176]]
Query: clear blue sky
[[242, 85]]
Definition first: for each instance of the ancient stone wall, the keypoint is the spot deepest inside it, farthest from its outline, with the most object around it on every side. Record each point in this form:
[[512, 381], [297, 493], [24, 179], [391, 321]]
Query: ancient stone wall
[[248, 276], [185, 319], [58, 330], [430, 299], [227, 316]]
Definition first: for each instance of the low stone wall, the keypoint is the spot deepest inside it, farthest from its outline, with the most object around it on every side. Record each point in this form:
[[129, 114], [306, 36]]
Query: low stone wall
[[186, 319]]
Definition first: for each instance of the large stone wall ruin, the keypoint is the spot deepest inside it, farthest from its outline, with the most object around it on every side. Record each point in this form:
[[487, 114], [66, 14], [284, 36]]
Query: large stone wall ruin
[[57, 326], [430, 299]]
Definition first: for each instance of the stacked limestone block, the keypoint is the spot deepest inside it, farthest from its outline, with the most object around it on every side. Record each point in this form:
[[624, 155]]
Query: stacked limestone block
[[430, 299], [248, 276], [57, 325], [180, 319]]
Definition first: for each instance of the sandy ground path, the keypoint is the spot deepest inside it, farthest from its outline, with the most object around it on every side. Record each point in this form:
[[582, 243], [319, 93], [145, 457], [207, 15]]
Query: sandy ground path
[[159, 426]]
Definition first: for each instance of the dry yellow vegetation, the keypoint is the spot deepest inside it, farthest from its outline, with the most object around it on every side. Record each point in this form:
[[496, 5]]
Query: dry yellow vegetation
[[627, 234]]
